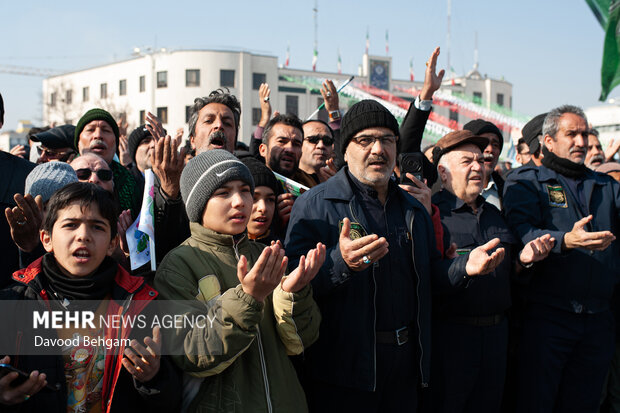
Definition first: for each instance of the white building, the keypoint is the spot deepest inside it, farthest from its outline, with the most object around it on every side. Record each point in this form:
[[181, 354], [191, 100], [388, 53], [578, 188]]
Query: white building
[[166, 83], [605, 119]]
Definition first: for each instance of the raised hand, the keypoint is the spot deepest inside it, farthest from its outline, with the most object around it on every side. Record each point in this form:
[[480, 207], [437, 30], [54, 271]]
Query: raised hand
[[168, 163], [578, 237], [327, 171], [25, 221], [265, 104], [266, 273], [612, 148], [481, 261], [537, 249], [10, 395], [330, 96], [124, 222], [153, 125], [420, 191], [307, 269], [123, 150], [359, 254], [143, 362], [18, 150], [284, 205], [432, 80]]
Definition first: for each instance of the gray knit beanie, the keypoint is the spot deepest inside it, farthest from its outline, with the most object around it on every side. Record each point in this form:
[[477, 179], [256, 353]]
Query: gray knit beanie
[[206, 172], [49, 177], [365, 114]]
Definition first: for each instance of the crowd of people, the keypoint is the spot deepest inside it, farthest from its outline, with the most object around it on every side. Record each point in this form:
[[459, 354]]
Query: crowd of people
[[453, 286]]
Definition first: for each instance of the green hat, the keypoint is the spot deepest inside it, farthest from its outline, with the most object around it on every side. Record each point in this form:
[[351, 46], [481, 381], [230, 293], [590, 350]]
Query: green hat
[[95, 114]]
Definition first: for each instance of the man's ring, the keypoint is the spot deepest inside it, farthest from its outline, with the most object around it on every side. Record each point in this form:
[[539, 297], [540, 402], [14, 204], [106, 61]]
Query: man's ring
[[328, 94], [366, 259], [266, 99], [26, 397], [21, 222]]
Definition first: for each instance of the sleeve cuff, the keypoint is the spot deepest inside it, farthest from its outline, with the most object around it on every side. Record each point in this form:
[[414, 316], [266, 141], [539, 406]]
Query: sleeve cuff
[[424, 105]]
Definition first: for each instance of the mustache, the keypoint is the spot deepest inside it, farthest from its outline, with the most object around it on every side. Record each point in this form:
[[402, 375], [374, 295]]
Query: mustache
[[488, 157], [218, 135], [98, 142], [597, 158], [376, 158], [577, 149]]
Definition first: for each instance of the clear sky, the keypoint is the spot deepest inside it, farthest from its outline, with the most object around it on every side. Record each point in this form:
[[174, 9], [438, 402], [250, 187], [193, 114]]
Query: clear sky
[[550, 50]]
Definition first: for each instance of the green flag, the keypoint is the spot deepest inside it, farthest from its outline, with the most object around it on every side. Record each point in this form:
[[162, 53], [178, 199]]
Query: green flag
[[600, 8], [610, 73]]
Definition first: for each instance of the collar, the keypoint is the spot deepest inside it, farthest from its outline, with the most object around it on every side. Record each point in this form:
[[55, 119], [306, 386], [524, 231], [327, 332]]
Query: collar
[[208, 236], [490, 185], [367, 190], [457, 204]]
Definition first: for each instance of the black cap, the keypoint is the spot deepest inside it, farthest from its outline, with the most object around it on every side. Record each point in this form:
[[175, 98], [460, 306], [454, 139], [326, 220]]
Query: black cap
[[57, 138], [532, 130], [135, 137], [480, 126], [365, 114]]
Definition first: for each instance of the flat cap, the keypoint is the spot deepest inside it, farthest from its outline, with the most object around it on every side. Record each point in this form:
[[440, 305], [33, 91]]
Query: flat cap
[[455, 139]]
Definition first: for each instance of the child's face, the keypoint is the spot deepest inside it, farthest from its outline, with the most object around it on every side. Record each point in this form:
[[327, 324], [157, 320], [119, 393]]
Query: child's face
[[80, 240], [229, 208], [262, 211]]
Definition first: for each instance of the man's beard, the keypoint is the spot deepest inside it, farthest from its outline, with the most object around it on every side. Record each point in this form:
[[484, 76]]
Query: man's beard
[[218, 138], [274, 165]]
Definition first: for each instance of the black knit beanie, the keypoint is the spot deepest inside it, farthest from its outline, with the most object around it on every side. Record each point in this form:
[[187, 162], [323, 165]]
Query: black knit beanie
[[95, 114], [262, 175], [480, 126], [365, 114], [205, 173], [135, 137]]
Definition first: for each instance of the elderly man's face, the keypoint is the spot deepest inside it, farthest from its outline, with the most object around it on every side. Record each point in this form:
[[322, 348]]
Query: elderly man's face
[[595, 156], [371, 156], [314, 151], [98, 137], [283, 150], [215, 129], [143, 153], [462, 173], [571, 140], [87, 168]]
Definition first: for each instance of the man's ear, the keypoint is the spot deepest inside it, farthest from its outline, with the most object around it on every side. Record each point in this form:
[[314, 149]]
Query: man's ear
[[191, 142], [46, 240], [443, 175], [548, 142], [113, 245], [262, 149]]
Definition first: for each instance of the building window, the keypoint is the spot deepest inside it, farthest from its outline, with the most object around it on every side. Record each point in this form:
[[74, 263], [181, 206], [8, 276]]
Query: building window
[[227, 78], [53, 98], [478, 97], [85, 94], [69, 97], [162, 79], [122, 87], [142, 84], [500, 99], [188, 113], [257, 79], [162, 114], [103, 91], [292, 104], [192, 77], [256, 113], [142, 117], [454, 115]]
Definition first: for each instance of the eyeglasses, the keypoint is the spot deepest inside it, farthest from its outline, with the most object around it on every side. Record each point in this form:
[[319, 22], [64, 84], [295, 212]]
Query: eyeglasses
[[366, 141], [54, 154], [327, 140], [85, 173]]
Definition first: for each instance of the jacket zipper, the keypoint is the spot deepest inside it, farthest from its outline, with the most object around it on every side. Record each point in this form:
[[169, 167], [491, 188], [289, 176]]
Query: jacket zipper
[[263, 365], [417, 293], [374, 309], [264, 369]]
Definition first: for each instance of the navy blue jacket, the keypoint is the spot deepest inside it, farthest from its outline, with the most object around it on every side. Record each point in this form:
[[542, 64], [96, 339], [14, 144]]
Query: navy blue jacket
[[538, 201], [345, 355]]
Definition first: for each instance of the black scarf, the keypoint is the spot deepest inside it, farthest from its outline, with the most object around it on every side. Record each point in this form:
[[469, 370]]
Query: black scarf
[[94, 287], [563, 166]]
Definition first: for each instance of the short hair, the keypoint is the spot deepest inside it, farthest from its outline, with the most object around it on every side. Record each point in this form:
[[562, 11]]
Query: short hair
[[287, 119], [331, 131], [521, 145], [593, 132], [217, 96], [83, 194], [1, 109], [551, 124]]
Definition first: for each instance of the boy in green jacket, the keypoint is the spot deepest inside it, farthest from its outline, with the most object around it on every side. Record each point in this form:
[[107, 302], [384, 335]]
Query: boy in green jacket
[[260, 316]]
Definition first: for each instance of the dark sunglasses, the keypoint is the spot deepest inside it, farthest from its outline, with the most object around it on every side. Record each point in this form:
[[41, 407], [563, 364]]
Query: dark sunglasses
[[327, 140], [85, 173]]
